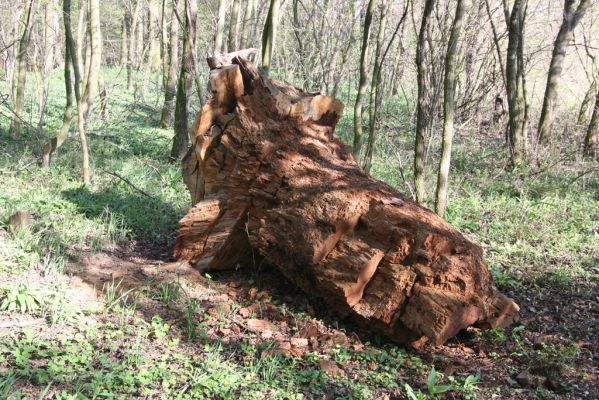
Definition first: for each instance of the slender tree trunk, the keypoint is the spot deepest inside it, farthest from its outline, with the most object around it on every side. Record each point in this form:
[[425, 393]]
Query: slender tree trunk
[[571, 17], [21, 75], [220, 27], [184, 85], [246, 26], [139, 42], [422, 114], [68, 117], [234, 27], [590, 139], [583, 114], [81, 31], [123, 58], [95, 59], [362, 85], [49, 37], [131, 24], [514, 90], [169, 65], [269, 34], [449, 85], [374, 89], [154, 51]]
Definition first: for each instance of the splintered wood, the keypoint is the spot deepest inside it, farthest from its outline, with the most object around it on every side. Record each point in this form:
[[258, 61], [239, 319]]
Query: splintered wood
[[271, 183]]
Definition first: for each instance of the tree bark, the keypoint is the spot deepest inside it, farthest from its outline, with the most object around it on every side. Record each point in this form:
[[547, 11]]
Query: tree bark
[[583, 113], [68, 116], [181, 138], [246, 25], [590, 139], [21, 75], [123, 58], [374, 90], [234, 27], [220, 27], [449, 85], [422, 112], [272, 184], [132, 16], [170, 45], [514, 89], [362, 85], [154, 47], [269, 34], [571, 17]]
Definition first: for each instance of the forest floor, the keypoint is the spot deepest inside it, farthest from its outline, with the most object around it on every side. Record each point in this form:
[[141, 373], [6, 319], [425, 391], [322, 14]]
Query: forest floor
[[95, 307]]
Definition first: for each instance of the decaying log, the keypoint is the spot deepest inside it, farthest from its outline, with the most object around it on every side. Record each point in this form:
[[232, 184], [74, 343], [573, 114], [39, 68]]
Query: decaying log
[[271, 183]]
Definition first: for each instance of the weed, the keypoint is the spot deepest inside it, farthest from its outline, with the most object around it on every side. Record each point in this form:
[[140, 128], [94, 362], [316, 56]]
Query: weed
[[21, 298], [159, 328], [168, 292]]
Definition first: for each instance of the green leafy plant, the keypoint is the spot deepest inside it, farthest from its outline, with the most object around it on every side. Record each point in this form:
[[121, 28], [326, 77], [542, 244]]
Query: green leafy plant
[[434, 388], [467, 388], [21, 298], [159, 328], [412, 394]]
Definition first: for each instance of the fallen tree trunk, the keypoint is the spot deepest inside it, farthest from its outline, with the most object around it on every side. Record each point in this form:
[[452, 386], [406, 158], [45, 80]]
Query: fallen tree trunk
[[271, 182]]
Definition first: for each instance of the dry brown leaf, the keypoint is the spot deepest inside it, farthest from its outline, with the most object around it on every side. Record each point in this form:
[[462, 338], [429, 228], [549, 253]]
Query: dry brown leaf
[[299, 342], [331, 368], [259, 325]]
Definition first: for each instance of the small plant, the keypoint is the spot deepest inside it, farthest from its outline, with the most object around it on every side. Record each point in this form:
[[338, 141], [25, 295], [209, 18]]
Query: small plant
[[22, 298], [168, 292], [413, 395], [159, 328], [114, 294], [432, 385], [467, 388]]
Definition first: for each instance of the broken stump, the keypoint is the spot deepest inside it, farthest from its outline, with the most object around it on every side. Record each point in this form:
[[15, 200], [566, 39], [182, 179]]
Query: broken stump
[[271, 183]]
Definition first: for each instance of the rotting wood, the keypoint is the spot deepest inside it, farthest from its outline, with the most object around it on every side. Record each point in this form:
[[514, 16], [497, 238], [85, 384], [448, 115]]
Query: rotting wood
[[271, 183]]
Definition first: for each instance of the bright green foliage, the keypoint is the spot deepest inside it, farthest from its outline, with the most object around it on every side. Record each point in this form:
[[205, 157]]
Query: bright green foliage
[[21, 298]]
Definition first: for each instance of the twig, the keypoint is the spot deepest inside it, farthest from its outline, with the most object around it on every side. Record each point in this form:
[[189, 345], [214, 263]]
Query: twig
[[403, 177], [128, 182], [540, 171]]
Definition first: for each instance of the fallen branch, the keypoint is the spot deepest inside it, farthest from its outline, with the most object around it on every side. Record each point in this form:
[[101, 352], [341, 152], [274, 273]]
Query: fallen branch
[[128, 182]]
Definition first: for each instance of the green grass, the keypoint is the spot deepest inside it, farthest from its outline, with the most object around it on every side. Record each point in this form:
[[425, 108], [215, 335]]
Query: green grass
[[540, 232]]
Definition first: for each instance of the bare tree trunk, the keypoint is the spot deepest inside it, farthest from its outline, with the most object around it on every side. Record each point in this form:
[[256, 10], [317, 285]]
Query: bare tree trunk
[[269, 34], [132, 17], [81, 31], [154, 52], [571, 18], [181, 138], [514, 90], [374, 89], [49, 37], [21, 74], [95, 59], [234, 27], [449, 107], [590, 139], [139, 41], [170, 65], [123, 58], [68, 117], [583, 114], [246, 25], [220, 27], [362, 85], [422, 114]]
